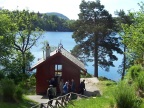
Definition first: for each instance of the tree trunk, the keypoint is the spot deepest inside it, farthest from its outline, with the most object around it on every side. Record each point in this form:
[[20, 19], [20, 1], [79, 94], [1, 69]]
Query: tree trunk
[[124, 63], [23, 63], [96, 57]]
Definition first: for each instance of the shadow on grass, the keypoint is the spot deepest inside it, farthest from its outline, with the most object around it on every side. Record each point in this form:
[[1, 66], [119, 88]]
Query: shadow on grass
[[94, 93]]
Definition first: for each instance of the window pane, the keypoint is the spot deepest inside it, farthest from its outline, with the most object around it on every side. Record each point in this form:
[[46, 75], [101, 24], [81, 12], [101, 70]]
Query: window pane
[[59, 67], [55, 67], [58, 73]]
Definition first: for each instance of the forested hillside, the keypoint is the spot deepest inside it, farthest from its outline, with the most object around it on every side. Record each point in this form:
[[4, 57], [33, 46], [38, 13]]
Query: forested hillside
[[53, 22], [50, 21], [58, 14]]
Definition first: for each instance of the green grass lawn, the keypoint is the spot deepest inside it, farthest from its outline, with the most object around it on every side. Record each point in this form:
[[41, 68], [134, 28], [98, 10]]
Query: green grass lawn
[[104, 101], [100, 102]]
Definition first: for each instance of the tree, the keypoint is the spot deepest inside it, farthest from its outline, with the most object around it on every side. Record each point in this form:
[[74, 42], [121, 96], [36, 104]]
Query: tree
[[25, 35], [133, 36], [93, 33], [12, 66], [5, 34], [123, 18]]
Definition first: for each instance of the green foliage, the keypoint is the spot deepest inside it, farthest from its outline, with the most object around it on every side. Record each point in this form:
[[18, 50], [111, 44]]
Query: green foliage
[[8, 89], [133, 36], [24, 84], [28, 85], [125, 96], [59, 15], [32, 80], [1, 75], [88, 75], [18, 93], [19, 35], [43, 21], [140, 80], [102, 78], [94, 35], [6, 26], [123, 18], [135, 71], [24, 37], [54, 23]]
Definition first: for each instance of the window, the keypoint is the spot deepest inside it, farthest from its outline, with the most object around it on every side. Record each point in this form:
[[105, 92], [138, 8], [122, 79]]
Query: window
[[58, 67], [58, 70]]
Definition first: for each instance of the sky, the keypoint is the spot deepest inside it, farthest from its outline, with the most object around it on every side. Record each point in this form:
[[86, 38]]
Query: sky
[[69, 8]]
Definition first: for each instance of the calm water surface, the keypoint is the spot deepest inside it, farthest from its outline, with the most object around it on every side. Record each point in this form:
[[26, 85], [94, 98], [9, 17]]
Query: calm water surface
[[54, 38]]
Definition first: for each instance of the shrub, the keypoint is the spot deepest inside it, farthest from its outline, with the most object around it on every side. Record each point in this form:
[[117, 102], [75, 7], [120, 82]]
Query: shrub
[[88, 75], [8, 89], [32, 80], [140, 81], [28, 85], [1, 75], [25, 84], [18, 93], [125, 96], [134, 71], [101, 78]]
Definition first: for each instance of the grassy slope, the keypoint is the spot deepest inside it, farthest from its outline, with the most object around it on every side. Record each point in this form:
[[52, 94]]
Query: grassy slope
[[104, 101], [25, 103]]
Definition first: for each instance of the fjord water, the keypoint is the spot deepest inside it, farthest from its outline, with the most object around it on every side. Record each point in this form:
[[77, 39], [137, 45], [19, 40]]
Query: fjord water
[[65, 38]]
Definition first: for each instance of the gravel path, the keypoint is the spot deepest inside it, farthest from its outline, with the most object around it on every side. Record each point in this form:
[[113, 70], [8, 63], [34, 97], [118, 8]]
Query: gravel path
[[91, 90]]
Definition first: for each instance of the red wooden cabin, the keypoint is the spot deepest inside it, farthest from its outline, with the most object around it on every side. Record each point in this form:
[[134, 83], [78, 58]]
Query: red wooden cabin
[[57, 63]]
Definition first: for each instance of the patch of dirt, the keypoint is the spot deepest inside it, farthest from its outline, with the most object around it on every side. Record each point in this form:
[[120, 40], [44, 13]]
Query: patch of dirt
[[91, 88]]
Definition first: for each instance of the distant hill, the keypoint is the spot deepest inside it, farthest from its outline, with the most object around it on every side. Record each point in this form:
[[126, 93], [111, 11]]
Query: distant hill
[[58, 14]]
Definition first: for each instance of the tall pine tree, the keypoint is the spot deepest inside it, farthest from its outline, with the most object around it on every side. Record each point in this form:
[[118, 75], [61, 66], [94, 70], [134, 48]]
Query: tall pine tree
[[93, 33]]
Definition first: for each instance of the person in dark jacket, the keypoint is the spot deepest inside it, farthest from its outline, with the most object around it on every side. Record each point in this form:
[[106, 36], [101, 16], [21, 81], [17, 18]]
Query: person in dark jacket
[[50, 93], [73, 86], [82, 87], [53, 82]]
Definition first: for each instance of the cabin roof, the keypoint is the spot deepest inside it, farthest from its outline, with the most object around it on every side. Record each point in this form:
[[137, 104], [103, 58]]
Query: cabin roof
[[66, 54]]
